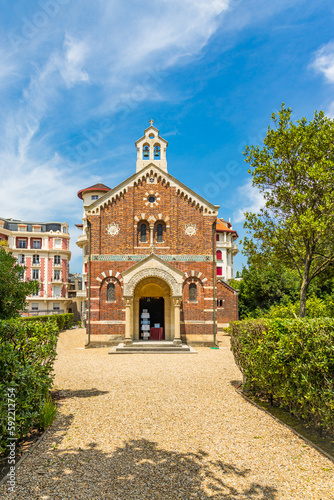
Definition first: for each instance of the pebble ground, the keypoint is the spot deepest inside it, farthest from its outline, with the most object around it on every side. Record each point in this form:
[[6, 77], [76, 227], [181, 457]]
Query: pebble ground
[[163, 426]]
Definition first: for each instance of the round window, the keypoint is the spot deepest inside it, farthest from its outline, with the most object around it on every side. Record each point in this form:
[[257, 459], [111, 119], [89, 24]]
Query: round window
[[151, 199]]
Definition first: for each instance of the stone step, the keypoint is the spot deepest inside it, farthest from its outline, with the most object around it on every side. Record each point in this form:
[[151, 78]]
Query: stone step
[[152, 347]]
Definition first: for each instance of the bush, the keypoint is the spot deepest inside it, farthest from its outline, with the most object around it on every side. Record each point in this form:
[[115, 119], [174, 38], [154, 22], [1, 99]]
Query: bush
[[27, 354], [290, 360], [64, 321], [315, 308]]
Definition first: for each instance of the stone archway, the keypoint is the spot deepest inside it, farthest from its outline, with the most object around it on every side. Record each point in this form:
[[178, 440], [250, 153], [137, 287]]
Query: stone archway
[[153, 277]]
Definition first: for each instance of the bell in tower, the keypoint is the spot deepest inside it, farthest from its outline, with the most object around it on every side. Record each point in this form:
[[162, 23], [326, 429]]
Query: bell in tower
[[151, 149]]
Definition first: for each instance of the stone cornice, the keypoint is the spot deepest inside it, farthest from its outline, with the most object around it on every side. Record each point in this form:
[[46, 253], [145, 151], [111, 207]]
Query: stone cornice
[[139, 258]]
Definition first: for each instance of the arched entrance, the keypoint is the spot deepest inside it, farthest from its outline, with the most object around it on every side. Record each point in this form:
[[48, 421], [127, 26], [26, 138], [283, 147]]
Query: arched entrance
[[152, 309], [152, 277]]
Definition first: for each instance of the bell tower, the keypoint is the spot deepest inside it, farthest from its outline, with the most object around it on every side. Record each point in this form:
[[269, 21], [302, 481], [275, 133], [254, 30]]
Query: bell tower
[[151, 148]]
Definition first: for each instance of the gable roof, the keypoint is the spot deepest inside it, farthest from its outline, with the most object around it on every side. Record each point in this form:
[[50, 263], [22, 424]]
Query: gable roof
[[152, 170], [226, 285], [146, 133]]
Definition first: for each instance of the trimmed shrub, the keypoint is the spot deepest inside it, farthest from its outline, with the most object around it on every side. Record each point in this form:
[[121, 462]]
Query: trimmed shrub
[[27, 354], [64, 321], [290, 360]]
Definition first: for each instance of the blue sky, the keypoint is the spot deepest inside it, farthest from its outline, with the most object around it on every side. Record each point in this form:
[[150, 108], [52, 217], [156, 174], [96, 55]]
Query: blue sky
[[80, 80]]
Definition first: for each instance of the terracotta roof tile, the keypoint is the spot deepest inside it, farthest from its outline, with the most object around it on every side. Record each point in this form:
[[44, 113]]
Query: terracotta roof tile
[[96, 187], [222, 226]]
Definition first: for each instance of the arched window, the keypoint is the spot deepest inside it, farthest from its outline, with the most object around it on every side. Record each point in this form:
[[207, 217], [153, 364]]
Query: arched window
[[192, 292], [160, 232], [219, 255], [110, 292], [157, 152], [143, 231], [146, 152]]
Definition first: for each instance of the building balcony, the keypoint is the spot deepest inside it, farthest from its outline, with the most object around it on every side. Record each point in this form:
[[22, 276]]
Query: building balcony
[[235, 249], [42, 312], [228, 245], [58, 281], [82, 240], [224, 244]]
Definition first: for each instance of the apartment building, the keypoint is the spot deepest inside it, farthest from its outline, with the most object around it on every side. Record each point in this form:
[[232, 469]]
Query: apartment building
[[226, 249], [43, 248]]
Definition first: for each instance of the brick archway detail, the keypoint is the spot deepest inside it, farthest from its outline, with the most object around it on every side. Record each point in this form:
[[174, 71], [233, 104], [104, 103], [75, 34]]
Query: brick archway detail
[[195, 274], [110, 274]]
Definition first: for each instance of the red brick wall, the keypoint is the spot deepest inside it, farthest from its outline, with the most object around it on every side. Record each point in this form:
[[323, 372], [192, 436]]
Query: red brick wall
[[229, 310], [175, 211], [171, 205]]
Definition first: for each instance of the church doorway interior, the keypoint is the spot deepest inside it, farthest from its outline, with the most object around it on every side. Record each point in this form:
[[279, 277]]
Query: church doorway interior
[[152, 318]]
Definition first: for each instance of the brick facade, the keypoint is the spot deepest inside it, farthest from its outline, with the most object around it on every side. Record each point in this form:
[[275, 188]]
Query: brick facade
[[153, 198]]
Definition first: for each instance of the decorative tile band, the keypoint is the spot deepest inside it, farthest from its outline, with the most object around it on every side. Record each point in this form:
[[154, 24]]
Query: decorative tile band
[[167, 258]]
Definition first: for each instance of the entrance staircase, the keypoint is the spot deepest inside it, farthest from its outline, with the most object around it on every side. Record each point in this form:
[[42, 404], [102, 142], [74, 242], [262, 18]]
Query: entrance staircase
[[152, 347]]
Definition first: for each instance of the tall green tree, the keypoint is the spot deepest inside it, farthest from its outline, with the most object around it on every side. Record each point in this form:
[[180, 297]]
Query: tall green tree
[[294, 171], [13, 290]]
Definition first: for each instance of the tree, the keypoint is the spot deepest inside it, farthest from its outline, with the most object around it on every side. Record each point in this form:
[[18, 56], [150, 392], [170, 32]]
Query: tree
[[263, 285], [295, 173], [13, 291]]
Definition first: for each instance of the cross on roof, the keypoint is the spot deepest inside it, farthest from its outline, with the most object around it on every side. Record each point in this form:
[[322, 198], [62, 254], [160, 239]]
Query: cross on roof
[[151, 122]]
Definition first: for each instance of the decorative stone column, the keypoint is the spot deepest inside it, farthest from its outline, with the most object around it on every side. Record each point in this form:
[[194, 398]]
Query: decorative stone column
[[151, 235], [177, 333], [128, 320]]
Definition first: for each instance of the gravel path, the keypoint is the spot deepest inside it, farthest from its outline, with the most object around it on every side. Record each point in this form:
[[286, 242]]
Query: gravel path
[[164, 426]]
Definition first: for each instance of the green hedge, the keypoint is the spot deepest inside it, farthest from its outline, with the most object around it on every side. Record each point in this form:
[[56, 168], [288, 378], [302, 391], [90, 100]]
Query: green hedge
[[27, 354], [64, 321], [290, 360]]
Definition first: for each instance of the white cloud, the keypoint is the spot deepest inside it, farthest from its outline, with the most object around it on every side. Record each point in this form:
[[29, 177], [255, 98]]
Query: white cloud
[[75, 54], [34, 190], [330, 111], [323, 61], [119, 51], [251, 200]]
